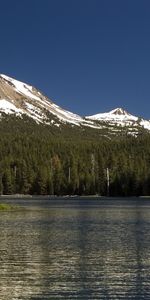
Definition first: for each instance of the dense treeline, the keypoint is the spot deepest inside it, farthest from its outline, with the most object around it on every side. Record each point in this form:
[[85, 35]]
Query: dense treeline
[[37, 160]]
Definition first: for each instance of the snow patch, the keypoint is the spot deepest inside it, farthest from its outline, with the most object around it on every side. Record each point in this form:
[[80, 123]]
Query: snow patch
[[145, 124], [8, 107]]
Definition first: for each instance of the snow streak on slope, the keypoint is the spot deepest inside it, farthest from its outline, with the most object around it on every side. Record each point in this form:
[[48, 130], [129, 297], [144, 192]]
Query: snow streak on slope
[[21, 87]]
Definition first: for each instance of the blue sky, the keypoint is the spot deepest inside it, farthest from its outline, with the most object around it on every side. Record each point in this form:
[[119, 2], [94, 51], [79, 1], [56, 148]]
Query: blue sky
[[89, 56]]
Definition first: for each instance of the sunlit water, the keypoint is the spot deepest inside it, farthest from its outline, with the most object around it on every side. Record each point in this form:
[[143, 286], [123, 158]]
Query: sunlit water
[[75, 249]]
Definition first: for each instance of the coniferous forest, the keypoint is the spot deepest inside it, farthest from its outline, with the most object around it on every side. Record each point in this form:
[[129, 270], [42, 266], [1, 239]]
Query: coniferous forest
[[39, 160]]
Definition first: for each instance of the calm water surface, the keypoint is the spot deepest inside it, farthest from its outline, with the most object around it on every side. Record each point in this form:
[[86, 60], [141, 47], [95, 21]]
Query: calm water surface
[[75, 249]]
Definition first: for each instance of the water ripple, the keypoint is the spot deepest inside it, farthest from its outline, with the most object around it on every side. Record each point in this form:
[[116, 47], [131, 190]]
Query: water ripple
[[82, 252]]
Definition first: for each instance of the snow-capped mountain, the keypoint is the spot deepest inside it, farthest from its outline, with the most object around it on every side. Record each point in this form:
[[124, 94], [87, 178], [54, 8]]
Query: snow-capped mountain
[[120, 117], [21, 99]]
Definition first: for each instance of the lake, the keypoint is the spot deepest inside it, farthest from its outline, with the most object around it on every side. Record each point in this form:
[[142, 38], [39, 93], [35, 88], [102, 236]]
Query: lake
[[75, 248]]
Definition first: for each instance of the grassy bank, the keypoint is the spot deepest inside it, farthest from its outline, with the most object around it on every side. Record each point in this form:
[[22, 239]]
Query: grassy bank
[[7, 207]]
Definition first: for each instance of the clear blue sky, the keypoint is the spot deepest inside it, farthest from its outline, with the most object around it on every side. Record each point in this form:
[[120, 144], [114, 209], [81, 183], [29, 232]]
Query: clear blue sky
[[89, 56]]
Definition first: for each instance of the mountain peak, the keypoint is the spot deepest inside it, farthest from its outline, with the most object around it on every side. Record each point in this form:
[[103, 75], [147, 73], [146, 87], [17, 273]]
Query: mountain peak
[[119, 111]]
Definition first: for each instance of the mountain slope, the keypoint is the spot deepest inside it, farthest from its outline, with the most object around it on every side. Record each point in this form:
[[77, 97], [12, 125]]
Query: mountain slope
[[18, 98]]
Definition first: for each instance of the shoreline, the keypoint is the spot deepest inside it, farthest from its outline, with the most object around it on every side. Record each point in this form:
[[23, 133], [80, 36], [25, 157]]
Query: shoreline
[[29, 196]]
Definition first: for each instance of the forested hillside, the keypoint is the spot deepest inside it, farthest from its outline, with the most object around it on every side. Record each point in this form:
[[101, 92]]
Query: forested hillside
[[37, 159]]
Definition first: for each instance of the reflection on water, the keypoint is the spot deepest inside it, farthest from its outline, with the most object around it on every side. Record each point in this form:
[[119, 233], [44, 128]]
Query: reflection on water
[[81, 251]]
